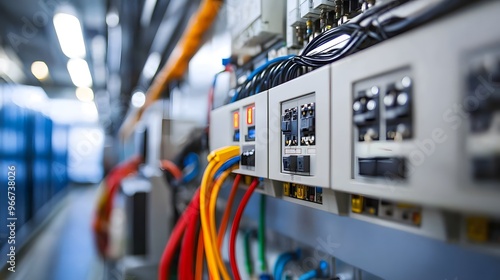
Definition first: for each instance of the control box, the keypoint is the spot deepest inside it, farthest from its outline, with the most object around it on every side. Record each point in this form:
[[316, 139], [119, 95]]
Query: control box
[[299, 121], [243, 123], [410, 122], [255, 22]]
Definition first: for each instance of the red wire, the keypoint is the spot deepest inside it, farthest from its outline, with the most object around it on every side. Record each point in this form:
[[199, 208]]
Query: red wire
[[186, 261], [176, 235], [103, 213], [236, 225], [199, 257], [172, 168]]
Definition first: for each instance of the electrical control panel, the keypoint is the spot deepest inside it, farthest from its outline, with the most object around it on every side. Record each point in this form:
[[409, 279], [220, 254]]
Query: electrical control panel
[[299, 118], [243, 123], [408, 121], [255, 22]]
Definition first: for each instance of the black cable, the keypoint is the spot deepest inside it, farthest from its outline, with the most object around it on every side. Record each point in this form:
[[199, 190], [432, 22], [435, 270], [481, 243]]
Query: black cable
[[364, 32]]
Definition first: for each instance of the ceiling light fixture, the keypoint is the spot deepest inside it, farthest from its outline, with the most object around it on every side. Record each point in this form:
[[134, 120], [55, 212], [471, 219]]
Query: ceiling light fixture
[[112, 19], [138, 99], [40, 70], [79, 72], [84, 94], [151, 65], [70, 36]]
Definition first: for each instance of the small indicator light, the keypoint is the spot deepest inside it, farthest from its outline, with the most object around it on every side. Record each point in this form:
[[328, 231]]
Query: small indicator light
[[236, 120], [250, 113]]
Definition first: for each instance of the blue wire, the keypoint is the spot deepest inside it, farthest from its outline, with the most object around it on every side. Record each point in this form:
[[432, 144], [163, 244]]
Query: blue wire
[[226, 165], [309, 275], [264, 66], [316, 273], [260, 69], [191, 159], [283, 260]]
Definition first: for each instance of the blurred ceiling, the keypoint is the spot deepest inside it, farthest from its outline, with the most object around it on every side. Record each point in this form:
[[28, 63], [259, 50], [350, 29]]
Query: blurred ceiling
[[125, 43]]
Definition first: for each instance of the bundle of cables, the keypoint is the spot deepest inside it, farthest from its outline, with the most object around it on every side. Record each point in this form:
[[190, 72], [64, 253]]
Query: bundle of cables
[[362, 32], [108, 190], [202, 208]]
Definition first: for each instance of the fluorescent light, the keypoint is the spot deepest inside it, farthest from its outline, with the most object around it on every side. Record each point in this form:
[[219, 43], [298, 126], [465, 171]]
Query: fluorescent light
[[112, 19], [79, 72], [30, 97], [10, 65], [147, 12], [151, 65], [71, 111], [4, 65], [84, 94], [69, 33], [89, 111], [40, 70], [138, 99]]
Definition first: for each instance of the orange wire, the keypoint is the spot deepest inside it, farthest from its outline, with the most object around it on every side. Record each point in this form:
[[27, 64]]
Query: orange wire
[[227, 212], [172, 168], [199, 258], [179, 59]]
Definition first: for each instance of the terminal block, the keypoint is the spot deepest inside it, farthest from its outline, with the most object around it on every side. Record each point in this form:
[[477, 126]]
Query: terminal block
[[303, 192]]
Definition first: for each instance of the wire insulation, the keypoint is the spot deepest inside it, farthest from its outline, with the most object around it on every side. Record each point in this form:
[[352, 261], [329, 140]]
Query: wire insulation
[[227, 211], [234, 228], [172, 168], [212, 213], [176, 236], [199, 257], [262, 234]]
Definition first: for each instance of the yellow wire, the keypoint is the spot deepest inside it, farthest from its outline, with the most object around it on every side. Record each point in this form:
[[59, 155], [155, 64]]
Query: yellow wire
[[213, 226], [210, 249], [211, 264], [216, 160]]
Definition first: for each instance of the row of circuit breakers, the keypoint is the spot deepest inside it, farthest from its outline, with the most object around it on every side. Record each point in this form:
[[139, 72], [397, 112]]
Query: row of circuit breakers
[[415, 120]]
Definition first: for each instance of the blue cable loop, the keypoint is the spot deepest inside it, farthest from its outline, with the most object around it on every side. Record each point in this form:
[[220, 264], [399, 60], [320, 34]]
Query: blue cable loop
[[283, 260], [192, 164], [322, 271]]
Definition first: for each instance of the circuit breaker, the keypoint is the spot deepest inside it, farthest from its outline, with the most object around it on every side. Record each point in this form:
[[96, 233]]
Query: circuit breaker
[[382, 112], [299, 121]]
